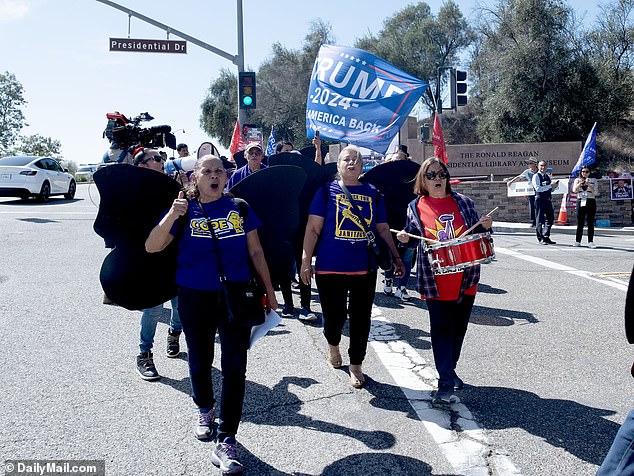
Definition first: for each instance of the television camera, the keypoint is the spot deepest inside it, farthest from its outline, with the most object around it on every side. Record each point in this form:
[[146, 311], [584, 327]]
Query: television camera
[[128, 132]]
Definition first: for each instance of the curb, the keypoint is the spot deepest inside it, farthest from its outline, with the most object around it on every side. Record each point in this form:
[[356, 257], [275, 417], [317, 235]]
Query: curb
[[504, 227]]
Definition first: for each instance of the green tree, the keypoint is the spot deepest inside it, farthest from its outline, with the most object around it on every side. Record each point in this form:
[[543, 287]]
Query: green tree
[[610, 49], [282, 84], [11, 116], [37, 144], [219, 108], [419, 43], [531, 86]]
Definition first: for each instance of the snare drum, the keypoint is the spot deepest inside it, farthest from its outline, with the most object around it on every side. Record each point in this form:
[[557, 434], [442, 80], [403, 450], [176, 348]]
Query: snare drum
[[455, 255]]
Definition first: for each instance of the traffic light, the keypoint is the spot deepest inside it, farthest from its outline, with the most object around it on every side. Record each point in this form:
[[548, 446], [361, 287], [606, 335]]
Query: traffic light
[[246, 90], [461, 88]]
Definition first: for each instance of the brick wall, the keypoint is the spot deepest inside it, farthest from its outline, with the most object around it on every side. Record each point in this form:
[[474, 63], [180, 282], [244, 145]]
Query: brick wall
[[488, 195]]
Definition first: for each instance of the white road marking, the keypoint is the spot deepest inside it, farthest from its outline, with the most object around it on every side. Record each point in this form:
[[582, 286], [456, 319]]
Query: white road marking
[[453, 427], [560, 267]]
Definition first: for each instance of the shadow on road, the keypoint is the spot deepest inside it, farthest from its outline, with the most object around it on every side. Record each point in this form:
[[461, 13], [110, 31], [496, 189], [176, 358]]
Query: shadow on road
[[562, 423]]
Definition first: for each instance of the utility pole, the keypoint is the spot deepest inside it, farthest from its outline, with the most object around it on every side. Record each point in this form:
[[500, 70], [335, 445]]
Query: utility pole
[[237, 60]]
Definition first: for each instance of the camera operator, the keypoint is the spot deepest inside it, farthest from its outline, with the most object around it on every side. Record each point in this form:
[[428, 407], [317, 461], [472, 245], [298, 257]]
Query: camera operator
[[586, 188], [117, 154]]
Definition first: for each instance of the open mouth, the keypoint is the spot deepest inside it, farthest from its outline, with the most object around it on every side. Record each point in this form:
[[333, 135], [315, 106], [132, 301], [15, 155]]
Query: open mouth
[[438, 185], [215, 186]]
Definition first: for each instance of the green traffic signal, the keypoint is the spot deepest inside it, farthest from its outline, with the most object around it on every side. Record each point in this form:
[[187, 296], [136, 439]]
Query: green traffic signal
[[246, 89]]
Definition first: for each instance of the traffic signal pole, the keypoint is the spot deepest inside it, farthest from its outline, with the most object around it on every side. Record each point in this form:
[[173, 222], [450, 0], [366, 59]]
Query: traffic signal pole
[[237, 60]]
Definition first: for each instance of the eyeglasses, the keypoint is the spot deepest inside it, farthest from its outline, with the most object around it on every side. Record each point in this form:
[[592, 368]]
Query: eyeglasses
[[585, 171], [432, 175], [156, 158]]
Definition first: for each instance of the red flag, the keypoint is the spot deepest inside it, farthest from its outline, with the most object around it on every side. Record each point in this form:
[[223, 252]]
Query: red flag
[[437, 138], [237, 144]]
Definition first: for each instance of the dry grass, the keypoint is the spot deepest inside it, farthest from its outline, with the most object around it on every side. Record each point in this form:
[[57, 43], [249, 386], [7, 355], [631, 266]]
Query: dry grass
[[615, 148]]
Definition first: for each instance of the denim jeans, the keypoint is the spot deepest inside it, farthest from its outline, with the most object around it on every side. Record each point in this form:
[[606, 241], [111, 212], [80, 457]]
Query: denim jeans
[[620, 459], [333, 291], [406, 255], [203, 313], [149, 321], [448, 325]]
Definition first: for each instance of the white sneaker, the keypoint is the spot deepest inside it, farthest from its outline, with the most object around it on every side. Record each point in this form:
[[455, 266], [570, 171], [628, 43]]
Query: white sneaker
[[402, 293], [387, 287], [592, 245], [577, 244]]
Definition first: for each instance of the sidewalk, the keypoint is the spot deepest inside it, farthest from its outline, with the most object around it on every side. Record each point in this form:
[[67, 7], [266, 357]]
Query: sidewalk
[[509, 227]]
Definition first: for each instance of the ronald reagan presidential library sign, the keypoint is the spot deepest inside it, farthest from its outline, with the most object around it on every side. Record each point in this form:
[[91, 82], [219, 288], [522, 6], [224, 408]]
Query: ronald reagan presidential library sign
[[504, 159], [147, 46]]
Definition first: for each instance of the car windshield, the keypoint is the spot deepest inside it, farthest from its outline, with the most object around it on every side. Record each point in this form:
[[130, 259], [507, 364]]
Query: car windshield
[[84, 169], [16, 161]]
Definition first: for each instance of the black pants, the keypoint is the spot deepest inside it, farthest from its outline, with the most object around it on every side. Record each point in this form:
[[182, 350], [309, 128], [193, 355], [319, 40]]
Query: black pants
[[448, 325], [334, 289], [545, 216], [203, 313], [586, 213]]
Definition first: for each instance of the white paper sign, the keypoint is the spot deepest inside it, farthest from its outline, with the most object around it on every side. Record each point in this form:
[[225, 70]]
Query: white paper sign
[[271, 320], [523, 189]]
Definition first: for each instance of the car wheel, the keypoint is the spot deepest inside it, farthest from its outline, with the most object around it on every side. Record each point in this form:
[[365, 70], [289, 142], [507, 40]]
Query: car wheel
[[45, 192], [72, 188]]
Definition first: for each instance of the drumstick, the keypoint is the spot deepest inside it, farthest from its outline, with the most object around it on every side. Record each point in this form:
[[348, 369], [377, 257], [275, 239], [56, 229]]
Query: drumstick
[[422, 238], [474, 226]]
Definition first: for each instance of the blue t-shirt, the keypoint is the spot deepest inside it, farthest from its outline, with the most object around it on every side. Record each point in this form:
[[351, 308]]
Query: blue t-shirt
[[343, 245], [240, 174], [197, 264]]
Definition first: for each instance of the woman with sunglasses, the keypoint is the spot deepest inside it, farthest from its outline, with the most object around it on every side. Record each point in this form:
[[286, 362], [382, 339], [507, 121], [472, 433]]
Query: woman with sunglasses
[[147, 158], [585, 187], [441, 214]]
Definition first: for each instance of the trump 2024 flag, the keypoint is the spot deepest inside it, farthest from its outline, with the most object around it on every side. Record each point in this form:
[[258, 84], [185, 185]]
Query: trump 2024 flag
[[359, 98]]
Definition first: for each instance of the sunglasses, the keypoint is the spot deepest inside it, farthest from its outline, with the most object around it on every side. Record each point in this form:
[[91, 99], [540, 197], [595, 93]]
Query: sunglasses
[[585, 171], [432, 175], [156, 158]]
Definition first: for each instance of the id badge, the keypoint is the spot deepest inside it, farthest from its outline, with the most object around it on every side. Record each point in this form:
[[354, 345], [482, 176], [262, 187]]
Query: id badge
[[583, 200]]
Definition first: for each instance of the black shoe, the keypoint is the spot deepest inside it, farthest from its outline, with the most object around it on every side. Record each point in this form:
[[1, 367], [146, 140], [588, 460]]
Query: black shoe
[[173, 345], [532, 225], [225, 457], [204, 429], [145, 366], [549, 241], [288, 311], [444, 395], [458, 384]]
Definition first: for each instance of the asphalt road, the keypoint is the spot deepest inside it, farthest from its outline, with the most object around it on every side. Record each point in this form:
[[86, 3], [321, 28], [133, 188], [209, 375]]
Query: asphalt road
[[545, 361]]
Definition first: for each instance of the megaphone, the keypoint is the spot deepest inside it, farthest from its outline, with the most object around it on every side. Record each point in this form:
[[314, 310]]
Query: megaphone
[[186, 164]]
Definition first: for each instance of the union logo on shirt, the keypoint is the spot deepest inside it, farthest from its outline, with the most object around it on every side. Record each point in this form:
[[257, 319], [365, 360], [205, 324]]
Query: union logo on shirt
[[348, 225], [445, 228], [227, 227]]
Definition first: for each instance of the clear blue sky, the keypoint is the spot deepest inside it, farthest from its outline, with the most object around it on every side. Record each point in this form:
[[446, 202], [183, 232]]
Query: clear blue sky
[[58, 50]]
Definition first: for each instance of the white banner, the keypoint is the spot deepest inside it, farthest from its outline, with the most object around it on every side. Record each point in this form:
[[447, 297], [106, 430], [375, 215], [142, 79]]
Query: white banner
[[523, 189]]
